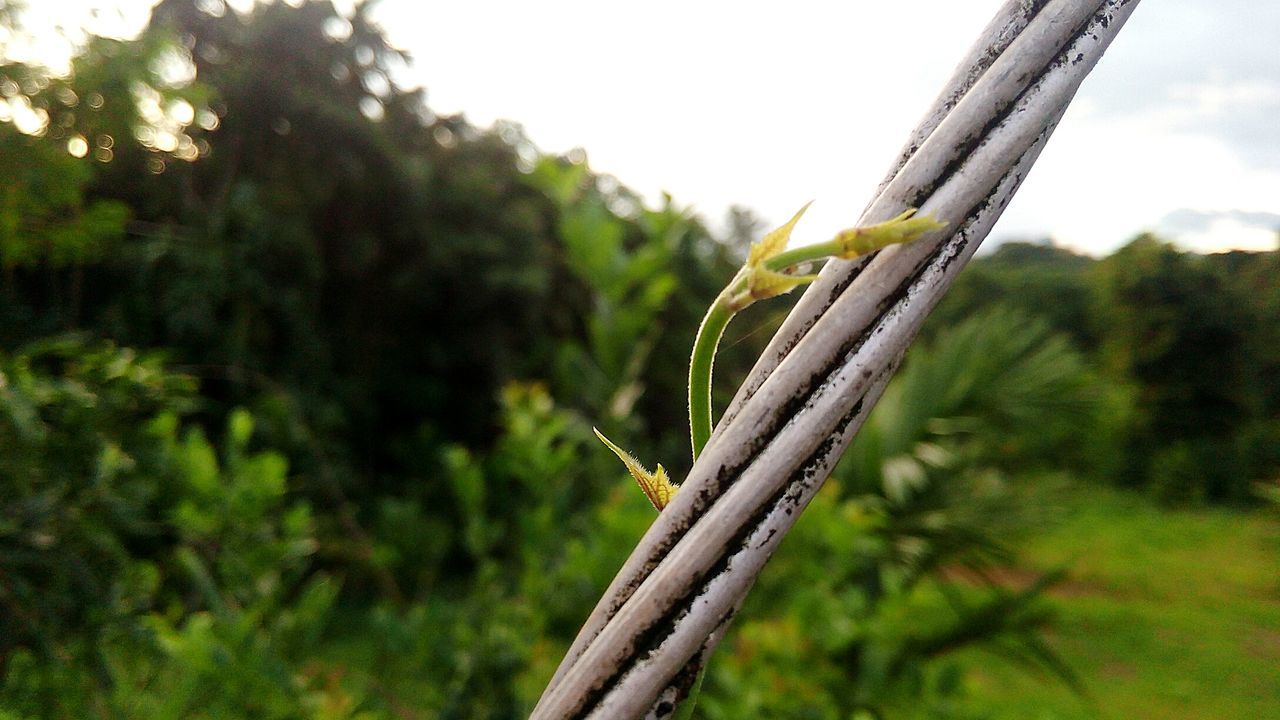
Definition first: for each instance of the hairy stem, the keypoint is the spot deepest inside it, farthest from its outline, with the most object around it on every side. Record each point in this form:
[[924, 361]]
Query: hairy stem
[[700, 366]]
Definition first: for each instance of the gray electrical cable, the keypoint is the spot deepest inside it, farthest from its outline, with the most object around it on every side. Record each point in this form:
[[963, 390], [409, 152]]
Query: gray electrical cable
[[812, 388]]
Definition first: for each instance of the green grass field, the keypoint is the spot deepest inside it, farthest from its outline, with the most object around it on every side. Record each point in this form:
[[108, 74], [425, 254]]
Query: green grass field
[[1165, 613]]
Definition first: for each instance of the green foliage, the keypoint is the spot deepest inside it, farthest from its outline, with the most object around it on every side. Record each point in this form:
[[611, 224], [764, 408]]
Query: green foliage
[[49, 230], [44, 217], [1002, 376], [541, 536], [629, 283], [1040, 280], [1187, 345], [1183, 331], [637, 331], [167, 575], [83, 473]]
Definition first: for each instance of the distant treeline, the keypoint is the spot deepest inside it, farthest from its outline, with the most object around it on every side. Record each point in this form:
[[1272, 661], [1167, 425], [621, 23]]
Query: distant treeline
[[1189, 344]]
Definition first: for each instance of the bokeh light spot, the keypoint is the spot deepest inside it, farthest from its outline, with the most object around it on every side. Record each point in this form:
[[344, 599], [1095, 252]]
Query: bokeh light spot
[[444, 136], [212, 8], [337, 29], [376, 83], [166, 141], [207, 120], [78, 146], [181, 112], [371, 108]]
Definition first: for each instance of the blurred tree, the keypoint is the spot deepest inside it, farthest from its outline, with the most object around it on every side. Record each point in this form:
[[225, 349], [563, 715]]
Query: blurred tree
[[356, 229], [1189, 344], [144, 572], [49, 231], [372, 272], [1183, 333], [307, 237], [650, 274], [81, 486], [1039, 279]]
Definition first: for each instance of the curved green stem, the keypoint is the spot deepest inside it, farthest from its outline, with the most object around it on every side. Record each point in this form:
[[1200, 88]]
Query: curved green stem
[[700, 366], [734, 298], [807, 253]]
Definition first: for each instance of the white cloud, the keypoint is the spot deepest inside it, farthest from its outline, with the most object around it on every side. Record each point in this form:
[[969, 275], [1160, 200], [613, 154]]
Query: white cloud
[[1103, 179], [1242, 236]]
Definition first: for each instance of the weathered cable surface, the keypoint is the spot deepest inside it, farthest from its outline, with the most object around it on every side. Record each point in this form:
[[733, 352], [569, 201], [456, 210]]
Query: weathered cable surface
[[827, 365]]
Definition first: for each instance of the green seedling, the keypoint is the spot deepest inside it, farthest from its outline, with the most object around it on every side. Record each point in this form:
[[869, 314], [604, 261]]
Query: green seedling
[[771, 270]]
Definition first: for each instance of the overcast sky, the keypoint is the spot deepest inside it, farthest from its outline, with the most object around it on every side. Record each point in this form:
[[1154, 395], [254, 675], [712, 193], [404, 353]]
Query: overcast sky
[[723, 103]]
